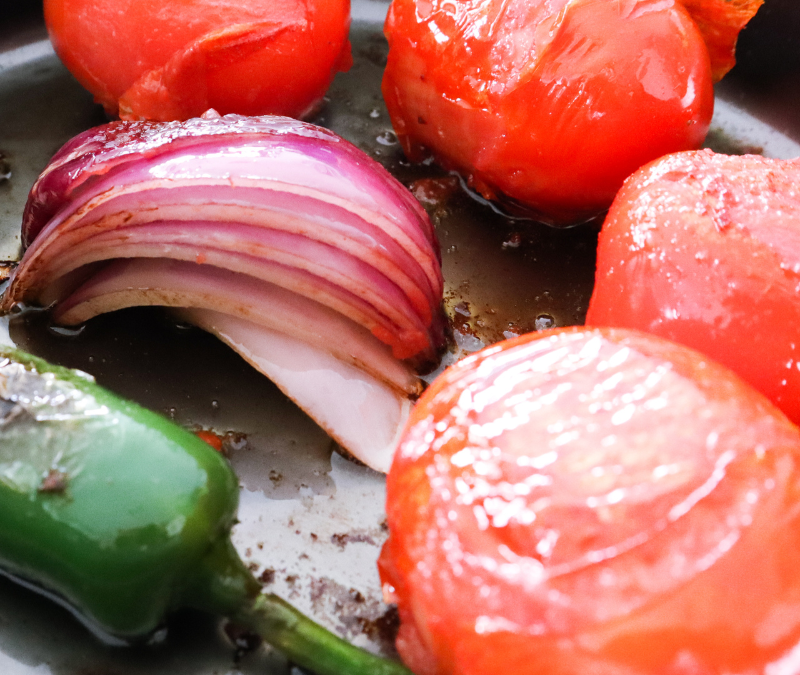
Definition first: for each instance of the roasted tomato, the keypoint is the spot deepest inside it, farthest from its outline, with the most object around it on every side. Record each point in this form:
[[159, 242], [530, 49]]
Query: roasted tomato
[[550, 105], [594, 501], [174, 59], [704, 249]]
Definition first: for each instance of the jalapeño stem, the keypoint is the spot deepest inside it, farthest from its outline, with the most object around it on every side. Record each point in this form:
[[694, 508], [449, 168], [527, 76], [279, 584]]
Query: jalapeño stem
[[223, 585], [308, 644]]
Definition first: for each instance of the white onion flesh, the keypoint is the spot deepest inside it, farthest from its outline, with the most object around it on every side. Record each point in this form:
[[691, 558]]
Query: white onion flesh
[[357, 410]]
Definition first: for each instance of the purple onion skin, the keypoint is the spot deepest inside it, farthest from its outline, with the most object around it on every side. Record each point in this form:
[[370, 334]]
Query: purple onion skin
[[284, 159], [107, 149]]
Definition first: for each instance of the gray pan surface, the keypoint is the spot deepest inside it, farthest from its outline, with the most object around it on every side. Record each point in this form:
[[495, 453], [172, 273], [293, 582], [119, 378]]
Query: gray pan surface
[[311, 522]]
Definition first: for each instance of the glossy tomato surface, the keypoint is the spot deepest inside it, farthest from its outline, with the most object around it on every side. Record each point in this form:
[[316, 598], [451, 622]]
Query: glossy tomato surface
[[174, 59], [594, 501], [704, 249], [547, 105]]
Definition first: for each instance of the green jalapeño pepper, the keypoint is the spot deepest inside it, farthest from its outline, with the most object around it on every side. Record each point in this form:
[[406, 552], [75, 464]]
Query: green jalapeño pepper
[[124, 517]]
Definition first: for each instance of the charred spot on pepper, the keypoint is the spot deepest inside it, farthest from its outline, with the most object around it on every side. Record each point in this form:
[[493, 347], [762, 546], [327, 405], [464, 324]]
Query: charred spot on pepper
[[55, 482], [12, 412]]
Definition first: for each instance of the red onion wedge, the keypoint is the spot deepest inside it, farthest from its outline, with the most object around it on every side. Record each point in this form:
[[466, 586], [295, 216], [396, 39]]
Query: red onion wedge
[[258, 226]]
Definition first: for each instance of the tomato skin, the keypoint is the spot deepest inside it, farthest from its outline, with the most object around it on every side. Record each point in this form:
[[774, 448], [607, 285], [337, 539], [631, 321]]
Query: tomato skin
[[704, 249], [548, 106], [720, 22], [213, 439], [593, 501], [174, 59]]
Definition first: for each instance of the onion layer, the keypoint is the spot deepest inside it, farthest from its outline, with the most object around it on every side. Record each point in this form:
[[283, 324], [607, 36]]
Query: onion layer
[[271, 223], [360, 412]]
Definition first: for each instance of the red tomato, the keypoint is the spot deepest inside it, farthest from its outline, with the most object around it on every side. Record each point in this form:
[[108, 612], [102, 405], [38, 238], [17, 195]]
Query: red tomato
[[213, 439], [594, 501], [174, 59], [548, 105], [704, 249]]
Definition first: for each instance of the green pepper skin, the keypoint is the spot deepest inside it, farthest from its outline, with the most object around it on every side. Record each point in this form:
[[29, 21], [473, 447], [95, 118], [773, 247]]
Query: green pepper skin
[[123, 517], [109, 506]]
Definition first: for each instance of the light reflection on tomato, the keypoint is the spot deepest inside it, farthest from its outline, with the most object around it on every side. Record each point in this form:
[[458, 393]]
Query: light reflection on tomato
[[703, 249], [548, 106], [594, 501]]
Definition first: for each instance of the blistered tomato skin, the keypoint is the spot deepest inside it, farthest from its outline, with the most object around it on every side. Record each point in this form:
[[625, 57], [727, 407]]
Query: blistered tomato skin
[[174, 59], [547, 106], [594, 501], [704, 249]]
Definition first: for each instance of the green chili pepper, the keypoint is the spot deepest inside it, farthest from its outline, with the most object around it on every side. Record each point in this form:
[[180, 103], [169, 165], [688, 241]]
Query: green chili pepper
[[124, 517]]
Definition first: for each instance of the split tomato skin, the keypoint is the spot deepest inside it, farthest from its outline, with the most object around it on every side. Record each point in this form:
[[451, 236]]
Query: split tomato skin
[[174, 59], [594, 501], [547, 106], [704, 249], [720, 22]]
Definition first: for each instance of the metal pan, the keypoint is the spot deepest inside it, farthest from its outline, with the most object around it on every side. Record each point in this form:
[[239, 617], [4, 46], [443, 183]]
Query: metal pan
[[311, 522]]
